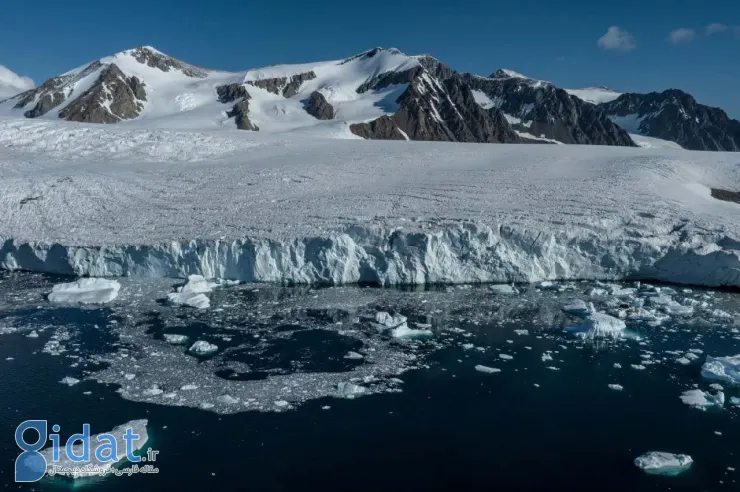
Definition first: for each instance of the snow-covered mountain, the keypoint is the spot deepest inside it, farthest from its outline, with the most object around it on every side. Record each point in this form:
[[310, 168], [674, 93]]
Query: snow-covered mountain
[[377, 94], [675, 115]]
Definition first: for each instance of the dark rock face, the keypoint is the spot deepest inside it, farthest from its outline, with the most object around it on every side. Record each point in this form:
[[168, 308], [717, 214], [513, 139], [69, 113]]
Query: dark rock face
[[285, 86], [543, 110], [390, 78], [114, 97], [240, 113], [675, 115], [51, 93], [232, 92], [149, 57], [318, 107], [435, 67], [437, 111]]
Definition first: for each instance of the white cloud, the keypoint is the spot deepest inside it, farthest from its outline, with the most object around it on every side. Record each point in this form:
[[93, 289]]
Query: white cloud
[[681, 35], [617, 39], [714, 28], [11, 83]]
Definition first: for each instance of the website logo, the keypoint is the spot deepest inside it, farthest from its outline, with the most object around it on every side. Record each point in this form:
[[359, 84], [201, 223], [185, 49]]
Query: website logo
[[82, 454]]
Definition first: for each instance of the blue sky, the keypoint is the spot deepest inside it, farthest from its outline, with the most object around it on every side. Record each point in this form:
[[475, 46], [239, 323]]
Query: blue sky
[[556, 41]]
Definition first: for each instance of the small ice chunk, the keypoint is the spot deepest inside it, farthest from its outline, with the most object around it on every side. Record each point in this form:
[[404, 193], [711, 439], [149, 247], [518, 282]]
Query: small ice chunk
[[578, 307], [69, 381], [153, 391], [350, 390], [486, 369], [702, 400], [683, 361], [33, 334], [227, 400], [600, 325], [616, 387], [617, 365], [403, 331], [353, 355], [503, 289], [521, 333], [197, 284], [202, 347], [85, 291], [388, 320], [662, 463], [189, 299], [546, 357], [637, 367], [505, 356], [189, 387], [722, 369], [716, 387], [175, 339], [734, 400], [547, 285]]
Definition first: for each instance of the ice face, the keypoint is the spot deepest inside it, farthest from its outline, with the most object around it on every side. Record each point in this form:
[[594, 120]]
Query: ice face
[[723, 369], [85, 291], [662, 463]]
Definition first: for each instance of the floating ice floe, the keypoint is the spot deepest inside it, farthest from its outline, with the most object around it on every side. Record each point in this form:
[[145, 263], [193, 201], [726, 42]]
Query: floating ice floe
[[616, 387], [548, 285], [578, 307], [600, 325], [388, 320], [175, 339], [201, 347], [723, 369], [94, 467], [193, 293], [505, 356], [69, 381], [702, 400], [350, 390], [403, 331], [353, 355], [486, 369], [85, 291], [503, 289], [662, 463]]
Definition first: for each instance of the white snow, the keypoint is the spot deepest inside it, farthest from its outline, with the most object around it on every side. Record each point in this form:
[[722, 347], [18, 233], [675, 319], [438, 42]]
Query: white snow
[[85, 291], [662, 463], [482, 99], [724, 369], [247, 206], [95, 467], [594, 95], [201, 347]]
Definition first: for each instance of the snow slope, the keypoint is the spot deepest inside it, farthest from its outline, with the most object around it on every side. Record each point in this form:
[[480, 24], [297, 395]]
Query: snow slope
[[594, 95], [115, 200], [177, 101]]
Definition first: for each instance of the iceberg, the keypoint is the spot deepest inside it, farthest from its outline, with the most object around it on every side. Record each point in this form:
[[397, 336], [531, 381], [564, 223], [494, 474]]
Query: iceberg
[[202, 347], [662, 463], [702, 400], [193, 293], [388, 320], [578, 307], [600, 325], [350, 390], [722, 369], [85, 291]]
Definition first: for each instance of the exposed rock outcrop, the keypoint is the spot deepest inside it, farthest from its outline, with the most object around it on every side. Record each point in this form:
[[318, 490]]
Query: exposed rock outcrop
[[232, 92], [240, 113], [318, 107], [153, 58], [112, 98], [675, 115], [285, 86]]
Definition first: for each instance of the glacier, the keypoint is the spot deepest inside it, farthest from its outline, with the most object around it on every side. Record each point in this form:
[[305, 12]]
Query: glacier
[[82, 200]]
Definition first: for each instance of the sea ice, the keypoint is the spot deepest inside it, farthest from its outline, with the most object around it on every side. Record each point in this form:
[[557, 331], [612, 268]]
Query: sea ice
[[350, 390], [85, 291], [578, 307], [600, 325], [702, 400], [662, 463], [353, 355], [175, 339], [505, 356], [616, 387], [202, 347], [69, 381], [723, 369], [403, 331], [486, 369]]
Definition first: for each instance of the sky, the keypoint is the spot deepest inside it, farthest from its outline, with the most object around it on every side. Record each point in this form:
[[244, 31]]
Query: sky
[[630, 45]]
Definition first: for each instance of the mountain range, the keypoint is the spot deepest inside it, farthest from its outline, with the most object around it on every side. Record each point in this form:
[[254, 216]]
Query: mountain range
[[377, 94]]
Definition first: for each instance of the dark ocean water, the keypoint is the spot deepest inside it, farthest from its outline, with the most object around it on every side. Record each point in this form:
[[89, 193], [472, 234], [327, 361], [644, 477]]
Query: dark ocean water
[[450, 428]]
